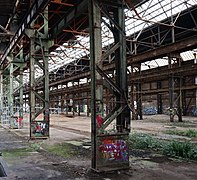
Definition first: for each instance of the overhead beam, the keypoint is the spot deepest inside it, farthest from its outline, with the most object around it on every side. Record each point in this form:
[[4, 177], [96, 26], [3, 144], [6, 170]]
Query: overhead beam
[[76, 11], [179, 46], [34, 11]]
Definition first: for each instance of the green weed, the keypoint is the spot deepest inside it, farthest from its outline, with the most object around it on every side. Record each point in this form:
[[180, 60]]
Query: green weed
[[185, 150], [16, 152], [36, 146], [188, 132], [62, 149], [143, 141]]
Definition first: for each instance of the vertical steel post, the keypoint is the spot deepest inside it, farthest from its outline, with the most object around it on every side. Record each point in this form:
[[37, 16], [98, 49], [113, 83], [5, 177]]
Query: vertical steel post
[[78, 102], [1, 95], [88, 103], [95, 59], [195, 62], [139, 101], [32, 98], [180, 106], [45, 53], [159, 99], [171, 98], [171, 90], [73, 98], [21, 86], [121, 67], [120, 112], [11, 90], [21, 95], [39, 56], [172, 23], [132, 95]]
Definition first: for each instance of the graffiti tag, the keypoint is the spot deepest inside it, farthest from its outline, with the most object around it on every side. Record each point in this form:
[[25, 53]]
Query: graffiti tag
[[114, 150]]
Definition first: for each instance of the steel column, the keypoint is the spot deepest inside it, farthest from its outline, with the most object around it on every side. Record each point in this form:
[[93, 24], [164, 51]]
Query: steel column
[[171, 91], [171, 98], [32, 96], [139, 100], [159, 99], [95, 58], [101, 137], [1, 95], [121, 67], [180, 105], [40, 44], [11, 90]]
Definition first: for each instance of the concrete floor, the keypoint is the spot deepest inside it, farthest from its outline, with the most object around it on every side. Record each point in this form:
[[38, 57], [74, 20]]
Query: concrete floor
[[75, 130]]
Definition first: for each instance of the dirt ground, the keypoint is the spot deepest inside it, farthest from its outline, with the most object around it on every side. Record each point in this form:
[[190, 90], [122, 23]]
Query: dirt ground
[[29, 159]]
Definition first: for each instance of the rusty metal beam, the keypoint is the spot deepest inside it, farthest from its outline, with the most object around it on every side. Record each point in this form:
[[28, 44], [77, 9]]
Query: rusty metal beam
[[61, 3], [160, 52], [181, 46]]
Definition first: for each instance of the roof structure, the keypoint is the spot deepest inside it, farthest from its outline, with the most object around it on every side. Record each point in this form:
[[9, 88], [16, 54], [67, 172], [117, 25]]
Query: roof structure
[[148, 14]]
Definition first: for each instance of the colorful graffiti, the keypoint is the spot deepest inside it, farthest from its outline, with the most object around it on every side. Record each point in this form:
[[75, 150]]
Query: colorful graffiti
[[114, 150], [39, 129]]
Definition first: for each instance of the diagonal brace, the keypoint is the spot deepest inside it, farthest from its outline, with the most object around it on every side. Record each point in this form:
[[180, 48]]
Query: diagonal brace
[[110, 119], [110, 51], [115, 88]]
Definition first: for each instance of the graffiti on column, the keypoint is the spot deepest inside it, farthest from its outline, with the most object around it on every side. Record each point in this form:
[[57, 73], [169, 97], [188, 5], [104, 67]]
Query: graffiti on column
[[114, 150], [39, 129]]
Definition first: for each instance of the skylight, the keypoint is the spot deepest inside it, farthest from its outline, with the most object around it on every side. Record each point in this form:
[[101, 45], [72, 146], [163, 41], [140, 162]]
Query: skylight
[[149, 13]]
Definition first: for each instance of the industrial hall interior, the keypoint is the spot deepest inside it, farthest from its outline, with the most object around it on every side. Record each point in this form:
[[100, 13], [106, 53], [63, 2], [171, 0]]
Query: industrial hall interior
[[106, 78]]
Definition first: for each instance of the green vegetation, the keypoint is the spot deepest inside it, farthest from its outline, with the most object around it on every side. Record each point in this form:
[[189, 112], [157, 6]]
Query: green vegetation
[[185, 150], [17, 152], [188, 132], [65, 150], [144, 141], [185, 124], [36, 146]]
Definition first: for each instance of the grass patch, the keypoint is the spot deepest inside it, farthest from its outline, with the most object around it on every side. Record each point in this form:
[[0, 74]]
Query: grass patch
[[36, 146], [188, 132], [182, 124], [17, 152], [64, 150], [185, 150], [144, 141]]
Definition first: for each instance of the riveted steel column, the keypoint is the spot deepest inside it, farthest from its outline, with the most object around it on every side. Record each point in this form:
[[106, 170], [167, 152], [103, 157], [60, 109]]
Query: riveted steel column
[[171, 91], [11, 90], [102, 138], [159, 99], [32, 100], [139, 100], [21, 94], [171, 98], [45, 52], [21, 66], [180, 105], [1, 95], [121, 67], [88, 102], [95, 58]]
